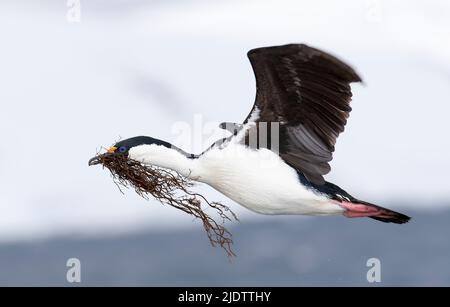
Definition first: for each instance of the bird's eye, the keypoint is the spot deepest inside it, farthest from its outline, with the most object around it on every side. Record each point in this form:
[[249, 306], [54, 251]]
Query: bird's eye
[[122, 149]]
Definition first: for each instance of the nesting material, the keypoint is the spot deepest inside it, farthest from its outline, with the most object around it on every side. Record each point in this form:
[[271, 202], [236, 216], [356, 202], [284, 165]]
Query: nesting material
[[172, 189]]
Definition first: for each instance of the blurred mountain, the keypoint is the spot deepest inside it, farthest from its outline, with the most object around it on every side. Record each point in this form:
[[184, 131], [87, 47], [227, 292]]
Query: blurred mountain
[[280, 251]]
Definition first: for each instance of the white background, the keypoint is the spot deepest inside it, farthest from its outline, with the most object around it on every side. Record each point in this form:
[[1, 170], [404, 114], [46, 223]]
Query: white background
[[140, 67]]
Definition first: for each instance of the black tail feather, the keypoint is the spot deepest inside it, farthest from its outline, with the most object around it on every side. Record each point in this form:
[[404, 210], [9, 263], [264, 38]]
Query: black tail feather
[[336, 193], [398, 218], [388, 215]]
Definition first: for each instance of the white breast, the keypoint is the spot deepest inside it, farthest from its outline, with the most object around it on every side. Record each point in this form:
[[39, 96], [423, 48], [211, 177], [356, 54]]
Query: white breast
[[260, 181]]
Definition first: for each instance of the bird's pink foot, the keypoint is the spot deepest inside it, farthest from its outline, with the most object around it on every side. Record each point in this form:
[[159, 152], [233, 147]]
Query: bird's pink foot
[[360, 210]]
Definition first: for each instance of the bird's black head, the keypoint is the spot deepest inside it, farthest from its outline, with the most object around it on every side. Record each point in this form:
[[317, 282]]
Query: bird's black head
[[124, 146]]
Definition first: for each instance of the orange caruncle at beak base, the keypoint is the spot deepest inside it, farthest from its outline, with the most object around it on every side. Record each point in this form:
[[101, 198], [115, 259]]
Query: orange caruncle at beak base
[[112, 149]]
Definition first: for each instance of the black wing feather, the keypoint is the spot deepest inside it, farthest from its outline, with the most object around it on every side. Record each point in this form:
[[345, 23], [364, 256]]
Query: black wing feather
[[308, 92]]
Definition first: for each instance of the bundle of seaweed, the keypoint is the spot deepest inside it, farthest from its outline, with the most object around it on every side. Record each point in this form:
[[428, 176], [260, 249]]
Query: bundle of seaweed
[[170, 188]]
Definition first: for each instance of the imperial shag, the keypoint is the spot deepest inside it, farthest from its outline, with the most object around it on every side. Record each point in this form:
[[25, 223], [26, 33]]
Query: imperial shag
[[274, 162]]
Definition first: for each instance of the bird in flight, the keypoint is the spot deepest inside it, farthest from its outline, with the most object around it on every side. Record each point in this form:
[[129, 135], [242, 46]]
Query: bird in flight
[[275, 161]]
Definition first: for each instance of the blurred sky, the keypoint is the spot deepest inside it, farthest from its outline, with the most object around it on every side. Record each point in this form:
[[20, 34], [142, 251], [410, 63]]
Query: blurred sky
[[142, 67]]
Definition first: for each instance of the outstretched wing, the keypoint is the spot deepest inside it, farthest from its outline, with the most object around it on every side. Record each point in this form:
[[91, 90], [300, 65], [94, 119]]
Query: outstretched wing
[[308, 92]]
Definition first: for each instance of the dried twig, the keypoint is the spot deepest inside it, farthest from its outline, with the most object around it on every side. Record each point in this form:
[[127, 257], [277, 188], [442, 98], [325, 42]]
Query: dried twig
[[166, 185]]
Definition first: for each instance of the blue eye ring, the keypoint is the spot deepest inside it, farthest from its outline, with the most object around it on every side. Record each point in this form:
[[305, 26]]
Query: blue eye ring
[[122, 149]]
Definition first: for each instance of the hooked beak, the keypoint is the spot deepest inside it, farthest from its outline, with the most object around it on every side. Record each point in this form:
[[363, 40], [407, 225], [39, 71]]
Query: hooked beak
[[98, 159], [95, 160]]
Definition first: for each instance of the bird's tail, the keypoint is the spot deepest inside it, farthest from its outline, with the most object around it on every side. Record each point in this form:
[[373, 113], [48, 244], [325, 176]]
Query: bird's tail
[[360, 208]]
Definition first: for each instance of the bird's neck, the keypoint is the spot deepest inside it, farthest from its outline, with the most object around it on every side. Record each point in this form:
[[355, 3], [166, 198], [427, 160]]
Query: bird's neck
[[171, 158]]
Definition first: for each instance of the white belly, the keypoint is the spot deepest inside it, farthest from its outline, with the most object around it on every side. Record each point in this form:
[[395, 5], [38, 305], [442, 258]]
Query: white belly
[[260, 181]]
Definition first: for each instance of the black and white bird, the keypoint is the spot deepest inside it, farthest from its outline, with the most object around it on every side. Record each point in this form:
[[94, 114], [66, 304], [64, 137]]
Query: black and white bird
[[274, 162]]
